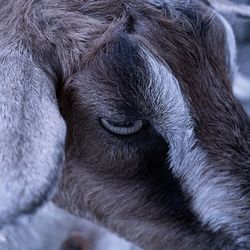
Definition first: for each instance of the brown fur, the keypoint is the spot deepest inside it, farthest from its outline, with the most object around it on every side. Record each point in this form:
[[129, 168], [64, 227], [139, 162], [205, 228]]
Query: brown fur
[[192, 42], [93, 51]]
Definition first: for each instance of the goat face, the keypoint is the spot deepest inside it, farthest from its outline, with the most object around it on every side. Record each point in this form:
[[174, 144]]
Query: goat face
[[152, 128]]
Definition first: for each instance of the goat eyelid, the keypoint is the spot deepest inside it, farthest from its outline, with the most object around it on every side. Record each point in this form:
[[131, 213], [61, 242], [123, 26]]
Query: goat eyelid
[[128, 128]]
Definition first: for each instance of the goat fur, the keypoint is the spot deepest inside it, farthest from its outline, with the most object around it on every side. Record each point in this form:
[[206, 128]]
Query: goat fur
[[183, 181]]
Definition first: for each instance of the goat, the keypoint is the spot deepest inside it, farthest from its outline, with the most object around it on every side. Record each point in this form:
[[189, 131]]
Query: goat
[[157, 146]]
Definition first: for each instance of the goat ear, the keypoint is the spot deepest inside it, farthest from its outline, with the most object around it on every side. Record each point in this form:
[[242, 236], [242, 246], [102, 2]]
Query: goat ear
[[32, 134], [225, 6]]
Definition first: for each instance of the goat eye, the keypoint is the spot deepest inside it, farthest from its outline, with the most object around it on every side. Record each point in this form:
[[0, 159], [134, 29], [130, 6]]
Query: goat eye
[[124, 128]]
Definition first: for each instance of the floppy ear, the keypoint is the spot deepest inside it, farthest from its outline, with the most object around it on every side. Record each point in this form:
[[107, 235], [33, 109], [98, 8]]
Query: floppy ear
[[32, 133], [225, 6]]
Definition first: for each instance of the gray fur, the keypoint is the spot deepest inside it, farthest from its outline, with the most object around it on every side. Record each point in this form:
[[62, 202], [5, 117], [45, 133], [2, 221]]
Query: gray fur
[[31, 130]]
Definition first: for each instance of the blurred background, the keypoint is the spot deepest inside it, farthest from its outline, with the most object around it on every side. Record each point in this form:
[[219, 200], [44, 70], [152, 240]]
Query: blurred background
[[54, 229], [241, 28]]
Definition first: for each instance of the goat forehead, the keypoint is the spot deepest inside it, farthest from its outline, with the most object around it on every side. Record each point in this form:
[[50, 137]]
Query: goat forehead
[[135, 78], [183, 5], [121, 69], [123, 65]]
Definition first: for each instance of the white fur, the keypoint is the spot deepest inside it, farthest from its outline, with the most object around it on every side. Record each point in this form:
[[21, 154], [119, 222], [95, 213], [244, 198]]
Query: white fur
[[50, 226], [214, 198]]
